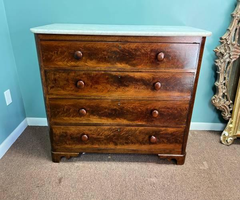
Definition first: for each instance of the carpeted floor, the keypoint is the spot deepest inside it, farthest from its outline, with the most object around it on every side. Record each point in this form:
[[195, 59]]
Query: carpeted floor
[[211, 171]]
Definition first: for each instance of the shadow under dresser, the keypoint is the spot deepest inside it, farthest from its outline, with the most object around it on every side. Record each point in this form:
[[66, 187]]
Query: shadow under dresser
[[119, 89]]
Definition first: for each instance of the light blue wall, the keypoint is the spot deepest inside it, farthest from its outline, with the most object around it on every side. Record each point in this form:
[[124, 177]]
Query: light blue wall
[[212, 15], [10, 116]]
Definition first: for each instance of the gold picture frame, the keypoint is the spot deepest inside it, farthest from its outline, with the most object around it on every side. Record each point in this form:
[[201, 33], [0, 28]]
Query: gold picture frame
[[232, 131], [228, 66], [227, 97]]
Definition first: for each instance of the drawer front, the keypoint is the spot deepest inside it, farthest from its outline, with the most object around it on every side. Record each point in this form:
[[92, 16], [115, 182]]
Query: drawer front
[[162, 86], [118, 139], [81, 111], [118, 55]]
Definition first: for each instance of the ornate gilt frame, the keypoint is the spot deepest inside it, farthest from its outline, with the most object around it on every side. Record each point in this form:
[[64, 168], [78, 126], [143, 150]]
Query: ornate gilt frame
[[227, 53], [232, 131]]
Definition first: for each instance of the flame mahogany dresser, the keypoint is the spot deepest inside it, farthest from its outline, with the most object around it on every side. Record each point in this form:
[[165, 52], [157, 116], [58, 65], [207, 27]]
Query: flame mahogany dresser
[[119, 89]]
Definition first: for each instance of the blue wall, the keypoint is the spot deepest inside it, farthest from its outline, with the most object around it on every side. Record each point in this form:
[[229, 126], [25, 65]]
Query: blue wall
[[10, 116], [213, 15]]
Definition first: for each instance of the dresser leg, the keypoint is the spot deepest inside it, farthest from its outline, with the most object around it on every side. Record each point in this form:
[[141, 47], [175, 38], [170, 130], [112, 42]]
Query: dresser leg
[[180, 159], [56, 156]]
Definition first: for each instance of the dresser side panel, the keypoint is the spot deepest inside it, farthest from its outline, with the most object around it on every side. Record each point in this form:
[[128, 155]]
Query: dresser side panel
[[200, 56], [44, 84]]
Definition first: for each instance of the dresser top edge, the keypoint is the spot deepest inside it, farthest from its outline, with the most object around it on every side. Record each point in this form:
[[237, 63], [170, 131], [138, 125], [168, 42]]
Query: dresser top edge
[[119, 30]]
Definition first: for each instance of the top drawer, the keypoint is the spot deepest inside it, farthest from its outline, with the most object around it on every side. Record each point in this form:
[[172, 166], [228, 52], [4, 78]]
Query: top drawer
[[118, 55]]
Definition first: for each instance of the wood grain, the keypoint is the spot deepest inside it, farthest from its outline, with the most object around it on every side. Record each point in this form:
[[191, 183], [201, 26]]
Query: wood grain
[[191, 104], [100, 93], [66, 111], [118, 56], [121, 139], [112, 38], [174, 86]]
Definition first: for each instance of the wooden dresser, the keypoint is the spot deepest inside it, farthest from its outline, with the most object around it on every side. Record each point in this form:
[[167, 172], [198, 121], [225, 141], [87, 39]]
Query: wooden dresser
[[119, 89]]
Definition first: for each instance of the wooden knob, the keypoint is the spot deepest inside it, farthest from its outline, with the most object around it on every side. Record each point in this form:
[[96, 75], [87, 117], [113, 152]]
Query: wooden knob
[[155, 113], [84, 137], [78, 55], [157, 85], [153, 139], [80, 84], [82, 112], [160, 56]]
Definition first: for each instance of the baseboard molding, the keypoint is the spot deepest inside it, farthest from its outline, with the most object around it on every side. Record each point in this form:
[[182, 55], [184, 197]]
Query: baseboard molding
[[194, 125], [207, 126], [7, 143], [37, 121]]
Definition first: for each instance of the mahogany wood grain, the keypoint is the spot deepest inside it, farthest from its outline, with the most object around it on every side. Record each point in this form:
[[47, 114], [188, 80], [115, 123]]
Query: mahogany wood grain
[[191, 103], [90, 80], [118, 56], [111, 38], [43, 80], [125, 112], [161, 86], [121, 139]]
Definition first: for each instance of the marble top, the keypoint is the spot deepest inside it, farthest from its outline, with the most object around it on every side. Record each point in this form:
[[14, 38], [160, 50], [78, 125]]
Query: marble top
[[124, 30]]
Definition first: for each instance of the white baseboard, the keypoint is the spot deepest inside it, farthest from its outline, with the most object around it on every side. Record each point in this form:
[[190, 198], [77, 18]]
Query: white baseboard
[[194, 125], [7, 143], [32, 121], [207, 126]]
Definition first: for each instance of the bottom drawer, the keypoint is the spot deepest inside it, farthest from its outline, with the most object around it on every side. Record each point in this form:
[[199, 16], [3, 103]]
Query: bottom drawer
[[117, 139]]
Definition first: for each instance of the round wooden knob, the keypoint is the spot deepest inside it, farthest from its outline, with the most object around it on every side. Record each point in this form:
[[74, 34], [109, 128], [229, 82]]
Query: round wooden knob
[[155, 113], [80, 84], [82, 112], [157, 85], [78, 55], [84, 137], [153, 139], [160, 56]]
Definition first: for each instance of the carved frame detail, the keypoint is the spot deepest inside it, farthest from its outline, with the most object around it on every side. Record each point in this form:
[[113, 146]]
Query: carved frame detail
[[227, 53], [232, 131]]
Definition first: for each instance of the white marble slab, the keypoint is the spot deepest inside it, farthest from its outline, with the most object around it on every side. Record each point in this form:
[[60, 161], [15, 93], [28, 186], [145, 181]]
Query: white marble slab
[[124, 30]]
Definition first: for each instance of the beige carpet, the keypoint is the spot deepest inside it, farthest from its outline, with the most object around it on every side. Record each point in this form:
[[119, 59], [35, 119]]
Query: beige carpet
[[211, 171]]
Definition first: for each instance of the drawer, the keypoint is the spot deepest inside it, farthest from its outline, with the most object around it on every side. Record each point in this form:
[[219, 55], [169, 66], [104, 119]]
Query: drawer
[[118, 55], [161, 86], [117, 139], [141, 112]]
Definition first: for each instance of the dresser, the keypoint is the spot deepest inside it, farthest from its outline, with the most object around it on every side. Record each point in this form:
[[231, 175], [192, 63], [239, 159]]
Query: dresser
[[119, 89]]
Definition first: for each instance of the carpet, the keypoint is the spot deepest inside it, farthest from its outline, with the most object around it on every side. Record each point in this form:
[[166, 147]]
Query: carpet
[[211, 171]]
